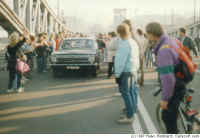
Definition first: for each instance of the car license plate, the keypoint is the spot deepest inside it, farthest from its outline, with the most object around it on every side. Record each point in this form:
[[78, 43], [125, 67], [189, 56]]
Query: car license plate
[[73, 67]]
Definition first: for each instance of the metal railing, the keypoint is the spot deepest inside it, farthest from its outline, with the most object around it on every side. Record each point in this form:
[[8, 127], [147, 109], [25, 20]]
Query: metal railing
[[11, 16]]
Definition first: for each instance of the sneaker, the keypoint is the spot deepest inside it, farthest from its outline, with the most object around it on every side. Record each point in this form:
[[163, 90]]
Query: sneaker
[[117, 94], [126, 120], [20, 90]]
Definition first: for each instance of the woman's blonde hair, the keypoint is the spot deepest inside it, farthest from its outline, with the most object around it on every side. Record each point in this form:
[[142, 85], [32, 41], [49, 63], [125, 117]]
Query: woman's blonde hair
[[52, 36], [123, 30], [14, 38]]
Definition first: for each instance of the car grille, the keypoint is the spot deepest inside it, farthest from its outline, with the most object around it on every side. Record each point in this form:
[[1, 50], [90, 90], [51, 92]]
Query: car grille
[[73, 60]]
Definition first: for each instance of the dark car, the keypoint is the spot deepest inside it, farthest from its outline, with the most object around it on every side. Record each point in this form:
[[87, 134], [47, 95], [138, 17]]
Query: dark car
[[77, 54]]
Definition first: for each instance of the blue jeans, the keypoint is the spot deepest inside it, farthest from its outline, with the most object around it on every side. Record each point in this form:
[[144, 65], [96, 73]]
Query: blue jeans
[[12, 84], [134, 95], [40, 64], [19, 80], [149, 57], [129, 92]]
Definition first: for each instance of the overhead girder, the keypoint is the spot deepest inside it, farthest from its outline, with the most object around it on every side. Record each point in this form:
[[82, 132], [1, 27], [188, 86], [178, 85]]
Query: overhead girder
[[35, 16]]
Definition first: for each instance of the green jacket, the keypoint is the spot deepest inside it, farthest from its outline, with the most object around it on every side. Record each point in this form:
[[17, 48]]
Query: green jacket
[[188, 42]]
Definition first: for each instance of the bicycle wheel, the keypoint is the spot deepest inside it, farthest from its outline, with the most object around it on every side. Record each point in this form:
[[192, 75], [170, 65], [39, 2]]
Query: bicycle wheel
[[159, 119], [181, 124]]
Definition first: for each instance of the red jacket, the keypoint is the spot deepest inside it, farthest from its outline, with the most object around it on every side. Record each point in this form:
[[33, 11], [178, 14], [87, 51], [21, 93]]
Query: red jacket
[[57, 44]]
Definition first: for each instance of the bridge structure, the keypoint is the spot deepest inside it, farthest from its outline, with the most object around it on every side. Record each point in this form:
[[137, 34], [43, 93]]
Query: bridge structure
[[33, 16]]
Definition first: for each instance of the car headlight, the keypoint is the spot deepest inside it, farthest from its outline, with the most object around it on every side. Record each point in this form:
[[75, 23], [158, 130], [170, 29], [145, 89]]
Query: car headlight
[[53, 58], [91, 59]]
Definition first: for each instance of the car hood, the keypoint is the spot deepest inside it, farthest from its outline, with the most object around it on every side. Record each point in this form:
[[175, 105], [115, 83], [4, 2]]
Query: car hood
[[76, 52]]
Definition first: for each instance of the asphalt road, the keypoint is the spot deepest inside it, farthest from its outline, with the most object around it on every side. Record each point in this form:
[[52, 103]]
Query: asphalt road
[[76, 104]]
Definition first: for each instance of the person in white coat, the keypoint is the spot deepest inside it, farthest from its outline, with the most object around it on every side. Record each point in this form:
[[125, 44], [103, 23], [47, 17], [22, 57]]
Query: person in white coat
[[111, 50]]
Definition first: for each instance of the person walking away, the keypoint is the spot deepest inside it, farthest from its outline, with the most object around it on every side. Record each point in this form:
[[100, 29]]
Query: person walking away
[[126, 67], [142, 43], [14, 45], [187, 41], [111, 49], [172, 88]]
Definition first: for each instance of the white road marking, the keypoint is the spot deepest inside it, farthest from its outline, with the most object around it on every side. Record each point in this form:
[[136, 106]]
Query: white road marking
[[146, 117], [137, 126], [155, 90]]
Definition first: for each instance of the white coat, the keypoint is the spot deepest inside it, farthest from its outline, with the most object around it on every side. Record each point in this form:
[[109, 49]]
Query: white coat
[[111, 49]]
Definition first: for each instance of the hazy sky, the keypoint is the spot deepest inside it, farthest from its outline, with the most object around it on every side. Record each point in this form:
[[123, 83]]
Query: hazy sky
[[101, 11]]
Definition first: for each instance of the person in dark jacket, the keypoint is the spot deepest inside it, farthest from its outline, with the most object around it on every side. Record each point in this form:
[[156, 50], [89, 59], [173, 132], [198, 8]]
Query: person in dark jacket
[[197, 41], [28, 50], [40, 51], [14, 45], [187, 41]]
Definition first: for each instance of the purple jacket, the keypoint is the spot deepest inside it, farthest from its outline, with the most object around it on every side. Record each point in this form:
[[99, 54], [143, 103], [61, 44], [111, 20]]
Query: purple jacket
[[166, 59]]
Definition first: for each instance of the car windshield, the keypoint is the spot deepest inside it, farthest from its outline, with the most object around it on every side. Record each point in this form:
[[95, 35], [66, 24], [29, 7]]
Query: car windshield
[[77, 44]]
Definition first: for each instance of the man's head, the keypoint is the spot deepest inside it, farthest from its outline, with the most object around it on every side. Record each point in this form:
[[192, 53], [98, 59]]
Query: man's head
[[129, 23], [154, 31], [40, 36], [100, 36], [124, 31], [112, 34], [182, 32]]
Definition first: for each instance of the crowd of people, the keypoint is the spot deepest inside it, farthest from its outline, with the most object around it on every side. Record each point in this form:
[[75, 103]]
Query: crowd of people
[[127, 53], [27, 48]]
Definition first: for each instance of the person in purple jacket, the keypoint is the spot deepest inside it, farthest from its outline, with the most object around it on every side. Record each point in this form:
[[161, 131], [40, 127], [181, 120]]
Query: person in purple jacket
[[172, 88]]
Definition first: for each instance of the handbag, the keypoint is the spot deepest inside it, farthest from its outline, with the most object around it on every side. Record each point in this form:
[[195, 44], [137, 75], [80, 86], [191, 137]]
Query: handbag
[[22, 67]]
